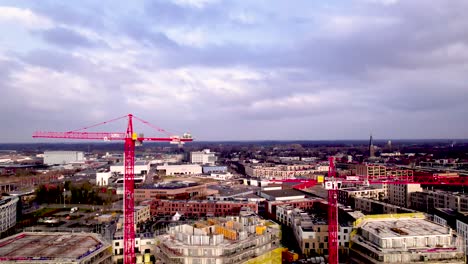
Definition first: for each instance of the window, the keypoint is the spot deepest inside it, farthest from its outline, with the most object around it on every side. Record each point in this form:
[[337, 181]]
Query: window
[[345, 230], [117, 244], [306, 245]]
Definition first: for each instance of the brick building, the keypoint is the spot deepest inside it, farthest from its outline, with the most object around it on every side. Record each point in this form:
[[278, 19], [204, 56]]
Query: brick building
[[199, 208]]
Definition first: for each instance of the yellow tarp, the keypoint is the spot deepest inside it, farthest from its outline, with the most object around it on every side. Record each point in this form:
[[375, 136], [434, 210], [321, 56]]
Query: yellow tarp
[[271, 257]]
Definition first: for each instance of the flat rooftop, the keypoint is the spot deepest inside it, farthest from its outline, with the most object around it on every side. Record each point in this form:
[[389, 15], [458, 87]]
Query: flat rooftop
[[283, 193], [404, 228], [49, 246]]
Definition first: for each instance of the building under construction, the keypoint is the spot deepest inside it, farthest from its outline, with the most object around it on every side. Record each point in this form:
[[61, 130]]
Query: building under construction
[[404, 238], [236, 239], [45, 247]]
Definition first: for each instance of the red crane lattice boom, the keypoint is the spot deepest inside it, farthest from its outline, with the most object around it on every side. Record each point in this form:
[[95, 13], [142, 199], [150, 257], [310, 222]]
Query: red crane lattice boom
[[130, 138]]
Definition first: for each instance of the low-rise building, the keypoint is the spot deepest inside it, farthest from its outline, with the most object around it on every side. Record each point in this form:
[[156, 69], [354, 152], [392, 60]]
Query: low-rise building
[[282, 195], [278, 172], [141, 168], [372, 206], [176, 190], [346, 196], [214, 169], [179, 169], [62, 157], [407, 238], [55, 247], [427, 199], [193, 208]]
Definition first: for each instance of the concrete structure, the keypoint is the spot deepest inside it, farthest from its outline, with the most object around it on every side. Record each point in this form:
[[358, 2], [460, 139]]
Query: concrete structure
[[407, 238], [62, 157], [172, 190], [400, 194], [8, 205], [372, 206], [371, 171], [179, 169], [203, 208], [346, 196], [278, 172], [102, 178], [203, 157], [64, 248], [235, 239]]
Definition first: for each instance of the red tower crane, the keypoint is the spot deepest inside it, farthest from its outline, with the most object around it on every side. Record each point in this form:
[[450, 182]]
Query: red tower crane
[[130, 140], [332, 183]]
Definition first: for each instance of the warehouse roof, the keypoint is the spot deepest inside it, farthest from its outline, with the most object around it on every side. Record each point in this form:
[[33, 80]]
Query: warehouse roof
[[49, 246]]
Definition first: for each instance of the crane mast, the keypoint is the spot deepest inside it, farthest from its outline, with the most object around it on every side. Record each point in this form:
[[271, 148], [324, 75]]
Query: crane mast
[[332, 186], [129, 202]]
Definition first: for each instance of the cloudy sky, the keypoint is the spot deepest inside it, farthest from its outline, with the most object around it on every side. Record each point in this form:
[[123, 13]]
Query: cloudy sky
[[227, 70]]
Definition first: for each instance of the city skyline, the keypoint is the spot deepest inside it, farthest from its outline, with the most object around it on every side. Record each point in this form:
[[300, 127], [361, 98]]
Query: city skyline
[[248, 70]]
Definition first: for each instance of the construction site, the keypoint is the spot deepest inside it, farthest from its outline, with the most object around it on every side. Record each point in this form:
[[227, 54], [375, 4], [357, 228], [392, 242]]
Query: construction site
[[404, 238], [236, 239], [57, 247]]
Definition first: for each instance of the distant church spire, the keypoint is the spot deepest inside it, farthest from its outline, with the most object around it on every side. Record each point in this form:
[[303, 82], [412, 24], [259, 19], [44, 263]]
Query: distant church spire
[[371, 147]]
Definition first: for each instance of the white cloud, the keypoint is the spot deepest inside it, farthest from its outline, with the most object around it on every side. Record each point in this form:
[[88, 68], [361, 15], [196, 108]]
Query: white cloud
[[25, 17], [195, 3], [45, 89], [345, 25]]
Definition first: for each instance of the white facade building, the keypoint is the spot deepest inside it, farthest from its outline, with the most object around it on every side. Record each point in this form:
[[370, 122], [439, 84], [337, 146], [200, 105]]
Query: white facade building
[[8, 212], [181, 169], [62, 157], [203, 157], [462, 230], [102, 178], [141, 168]]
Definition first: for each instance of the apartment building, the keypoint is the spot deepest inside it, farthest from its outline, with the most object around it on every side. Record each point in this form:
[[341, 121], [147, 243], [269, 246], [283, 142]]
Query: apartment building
[[346, 196], [311, 232], [400, 194], [407, 238], [193, 208], [427, 199], [376, 172], [172, 190], [227, 240], [304, 204], [372, 206], [278, 172]]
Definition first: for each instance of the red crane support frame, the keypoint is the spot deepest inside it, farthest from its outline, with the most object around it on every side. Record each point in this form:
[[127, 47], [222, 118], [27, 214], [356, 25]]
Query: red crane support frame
[[332, 214], [129, 138]]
